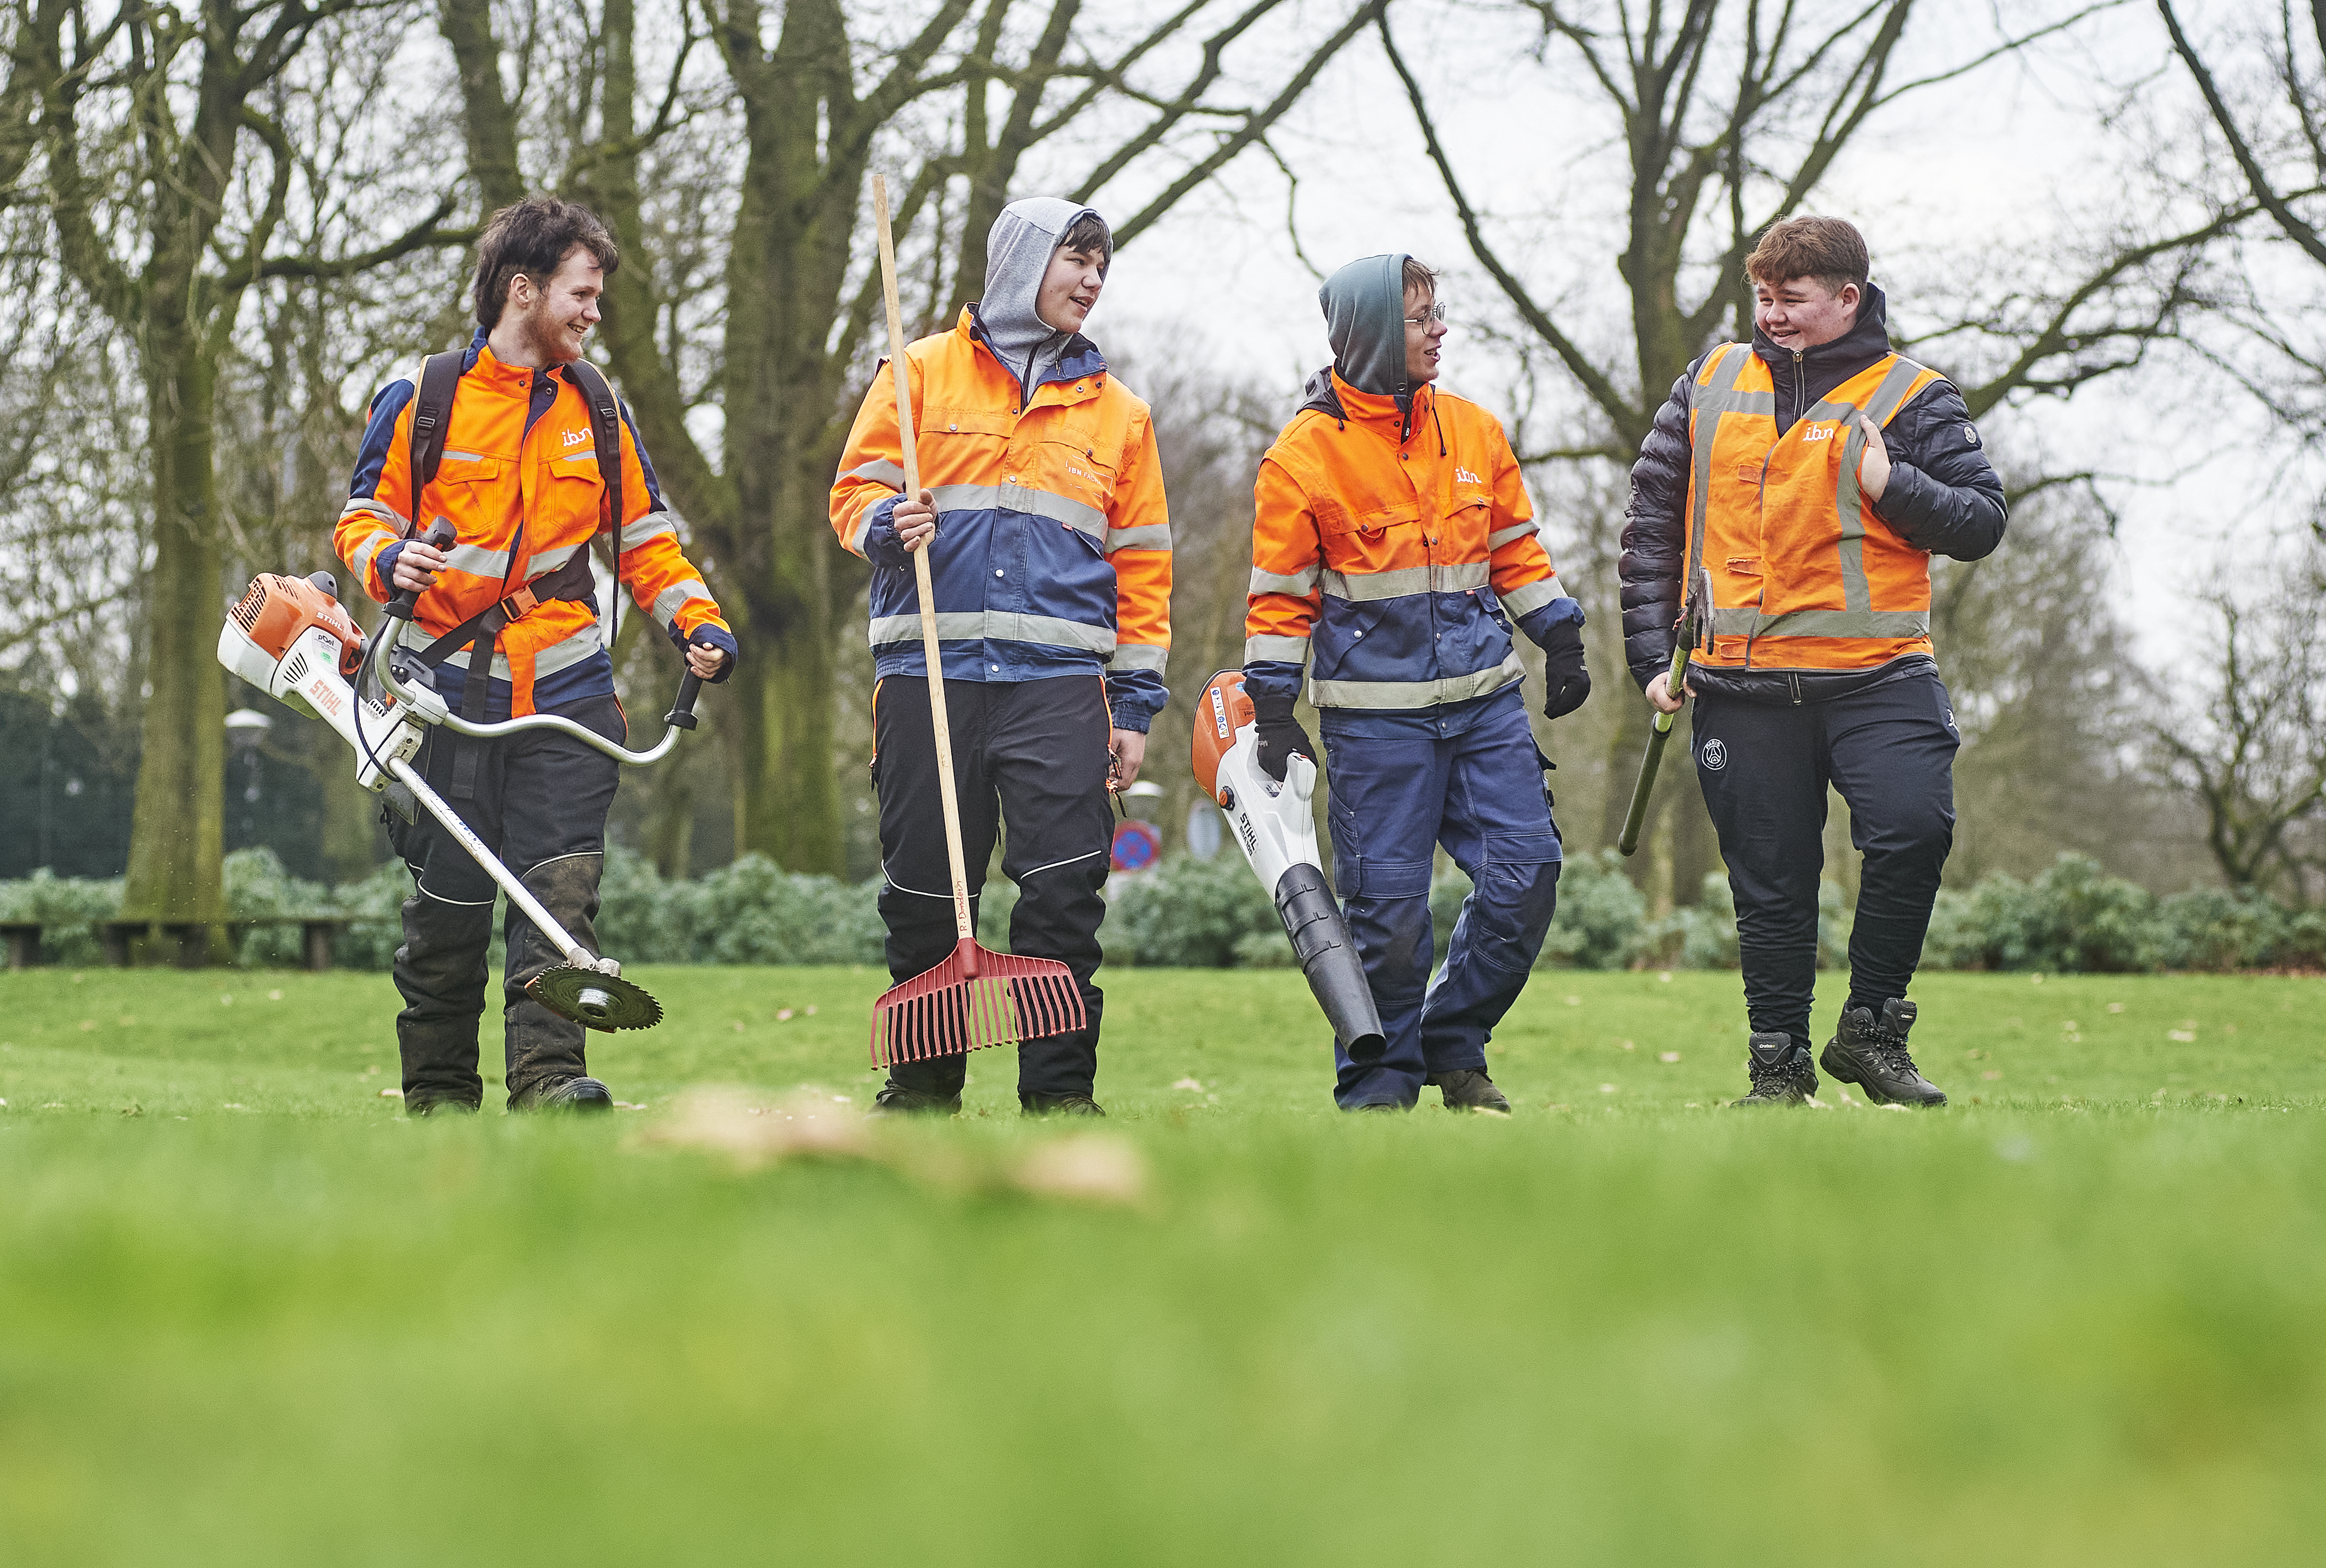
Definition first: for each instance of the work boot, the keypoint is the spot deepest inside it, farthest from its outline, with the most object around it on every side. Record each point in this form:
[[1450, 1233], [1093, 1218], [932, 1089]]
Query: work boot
[[441, 1106], [896, 1099], [1469, 1088], [1872, 1056], [576, 1093], [1781, 1073], [1064, 1105]]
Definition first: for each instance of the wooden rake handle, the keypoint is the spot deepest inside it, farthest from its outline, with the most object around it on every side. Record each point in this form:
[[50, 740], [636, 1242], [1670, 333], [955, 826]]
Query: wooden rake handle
[[932, 660]]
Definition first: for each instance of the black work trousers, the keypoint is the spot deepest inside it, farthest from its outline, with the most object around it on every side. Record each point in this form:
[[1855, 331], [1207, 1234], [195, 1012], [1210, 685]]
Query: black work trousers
[[1890, 752], [539, 801], [1031, 756]]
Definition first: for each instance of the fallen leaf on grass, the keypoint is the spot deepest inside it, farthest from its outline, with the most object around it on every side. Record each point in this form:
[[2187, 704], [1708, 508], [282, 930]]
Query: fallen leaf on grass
[[1190, 1084], [1606, 1088], [1086, 1167], [1990, 1075], [391, 1094], [1668, 1056], [783, 1015], [1814, 1103], [230, 1105], [2183, 1036], [626, 1105], [804, 1125]]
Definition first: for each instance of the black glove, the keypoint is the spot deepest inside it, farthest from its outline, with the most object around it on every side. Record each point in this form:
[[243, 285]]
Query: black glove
[[1280, 734], [1564, 679]]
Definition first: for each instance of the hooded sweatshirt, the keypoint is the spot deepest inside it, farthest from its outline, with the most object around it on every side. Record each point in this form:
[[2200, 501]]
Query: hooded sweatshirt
[[1017, 259], [1364, 321]]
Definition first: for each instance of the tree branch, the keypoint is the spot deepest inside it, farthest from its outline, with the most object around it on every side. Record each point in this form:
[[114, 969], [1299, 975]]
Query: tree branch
[[2286, 218]]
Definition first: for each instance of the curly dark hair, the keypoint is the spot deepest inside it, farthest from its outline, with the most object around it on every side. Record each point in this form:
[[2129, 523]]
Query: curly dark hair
[[535, 236]]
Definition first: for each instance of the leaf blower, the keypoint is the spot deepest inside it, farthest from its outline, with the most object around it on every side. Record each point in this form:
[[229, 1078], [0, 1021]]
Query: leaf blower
[[1277, 830], [292, 638]]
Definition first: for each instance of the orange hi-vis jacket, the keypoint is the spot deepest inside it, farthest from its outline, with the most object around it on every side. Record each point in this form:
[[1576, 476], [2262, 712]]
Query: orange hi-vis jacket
[[1805, 576], [1052, 550], [1393, 567], [523, 495]]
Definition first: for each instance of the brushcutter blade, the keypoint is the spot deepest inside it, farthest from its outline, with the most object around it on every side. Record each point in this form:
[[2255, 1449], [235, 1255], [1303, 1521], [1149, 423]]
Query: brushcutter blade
[[595, 999], [975, 998]]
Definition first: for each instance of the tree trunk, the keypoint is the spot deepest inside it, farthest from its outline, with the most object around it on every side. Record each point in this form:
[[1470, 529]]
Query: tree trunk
[[178, 830]]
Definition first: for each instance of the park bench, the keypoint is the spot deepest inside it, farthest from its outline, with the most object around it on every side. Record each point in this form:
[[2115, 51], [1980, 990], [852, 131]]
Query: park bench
[[115, 937]]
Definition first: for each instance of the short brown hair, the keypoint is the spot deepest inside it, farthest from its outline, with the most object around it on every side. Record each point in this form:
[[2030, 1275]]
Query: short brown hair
[[1829, 249], [1420, 276], [1088, 233], [535, 236]]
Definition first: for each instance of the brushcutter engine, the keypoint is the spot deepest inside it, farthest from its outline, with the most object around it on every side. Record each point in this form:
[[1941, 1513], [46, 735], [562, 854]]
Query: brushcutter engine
[[1276, 829], [292, 638]]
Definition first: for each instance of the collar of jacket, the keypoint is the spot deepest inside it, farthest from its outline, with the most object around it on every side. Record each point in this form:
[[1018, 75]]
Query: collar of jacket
[[1828, 365], [1330, 396], [1078, 360]]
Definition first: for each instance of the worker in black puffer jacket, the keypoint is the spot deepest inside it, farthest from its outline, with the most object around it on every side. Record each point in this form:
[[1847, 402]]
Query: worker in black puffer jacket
[[1786, 505]]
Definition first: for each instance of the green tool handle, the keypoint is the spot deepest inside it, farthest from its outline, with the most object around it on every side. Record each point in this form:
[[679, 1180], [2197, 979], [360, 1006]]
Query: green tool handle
[[1660, 731]]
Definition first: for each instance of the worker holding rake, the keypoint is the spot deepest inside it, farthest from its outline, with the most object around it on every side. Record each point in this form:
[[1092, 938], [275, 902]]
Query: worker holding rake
[[1046, 541], [1797, 487]]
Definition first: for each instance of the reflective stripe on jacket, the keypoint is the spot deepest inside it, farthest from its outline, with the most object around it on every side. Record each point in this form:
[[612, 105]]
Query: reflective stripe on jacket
[[1804, 574], [524, 496], [1053, 551], [1395, 566]]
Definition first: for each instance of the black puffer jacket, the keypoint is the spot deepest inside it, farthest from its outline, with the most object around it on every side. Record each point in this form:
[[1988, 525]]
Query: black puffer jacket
[[1942, 497]]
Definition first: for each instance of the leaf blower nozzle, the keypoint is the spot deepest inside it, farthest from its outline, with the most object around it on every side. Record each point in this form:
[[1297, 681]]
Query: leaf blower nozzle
[[1274, 826]]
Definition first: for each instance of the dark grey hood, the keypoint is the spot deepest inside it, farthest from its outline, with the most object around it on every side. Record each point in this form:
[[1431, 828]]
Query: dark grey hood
[[1017, 259], [1365, 317]]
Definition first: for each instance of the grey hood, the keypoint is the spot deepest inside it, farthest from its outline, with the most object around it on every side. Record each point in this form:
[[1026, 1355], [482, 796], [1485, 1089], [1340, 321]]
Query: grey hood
[[1017, 259], [1365, 317]]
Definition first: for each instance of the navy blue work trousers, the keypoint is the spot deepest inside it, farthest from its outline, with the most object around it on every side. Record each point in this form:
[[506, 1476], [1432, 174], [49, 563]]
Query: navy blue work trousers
[[1479, 794], [1890, 752]]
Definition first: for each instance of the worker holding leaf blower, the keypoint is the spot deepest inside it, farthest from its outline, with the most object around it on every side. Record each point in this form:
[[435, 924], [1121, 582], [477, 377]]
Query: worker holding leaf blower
[[1394, 553], [518, 450], [1049, 547], [1801, 484]]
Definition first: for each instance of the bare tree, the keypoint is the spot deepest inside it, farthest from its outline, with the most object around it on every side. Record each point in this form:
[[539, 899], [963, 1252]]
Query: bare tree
[[2248, 745], [1731, 115], [147, 123]]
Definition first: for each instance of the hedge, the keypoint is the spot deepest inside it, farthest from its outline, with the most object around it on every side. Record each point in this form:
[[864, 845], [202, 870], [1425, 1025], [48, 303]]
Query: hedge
[[1214, 914]]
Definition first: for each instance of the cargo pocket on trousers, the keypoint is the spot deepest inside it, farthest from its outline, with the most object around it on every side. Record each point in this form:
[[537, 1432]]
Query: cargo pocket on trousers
[[1365, 878]]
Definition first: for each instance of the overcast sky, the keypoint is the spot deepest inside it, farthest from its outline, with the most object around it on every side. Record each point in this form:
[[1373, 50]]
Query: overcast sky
[[1975, 176]]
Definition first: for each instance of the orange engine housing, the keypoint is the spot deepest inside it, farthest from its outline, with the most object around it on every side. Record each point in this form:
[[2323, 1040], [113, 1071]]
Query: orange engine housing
[[277, 610], [1220, 712]]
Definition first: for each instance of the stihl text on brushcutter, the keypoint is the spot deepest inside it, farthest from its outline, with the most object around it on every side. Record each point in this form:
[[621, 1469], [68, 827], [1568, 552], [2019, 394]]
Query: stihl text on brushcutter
[[1274, 825], [292, 638], [977, 997]]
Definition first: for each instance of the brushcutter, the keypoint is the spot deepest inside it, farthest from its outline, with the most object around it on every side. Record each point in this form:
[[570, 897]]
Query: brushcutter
[[977, 997], [1277, 830], [292, 638], [1694, 628]]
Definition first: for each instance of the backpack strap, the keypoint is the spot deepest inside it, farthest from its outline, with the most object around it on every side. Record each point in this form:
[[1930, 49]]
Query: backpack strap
[[606, 428], [431, 416]]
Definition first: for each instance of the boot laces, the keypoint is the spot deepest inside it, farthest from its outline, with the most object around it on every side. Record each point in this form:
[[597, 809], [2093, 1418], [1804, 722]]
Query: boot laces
[[1889, 1050]]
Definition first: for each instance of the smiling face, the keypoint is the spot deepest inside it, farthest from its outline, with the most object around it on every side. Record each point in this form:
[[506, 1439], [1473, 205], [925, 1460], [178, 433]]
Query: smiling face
[[1070, 288], [548, 322], [1422, 343], [1803, 312]]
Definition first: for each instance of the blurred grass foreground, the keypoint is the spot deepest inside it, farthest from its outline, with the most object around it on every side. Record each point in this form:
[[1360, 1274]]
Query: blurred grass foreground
[[250, 1314]]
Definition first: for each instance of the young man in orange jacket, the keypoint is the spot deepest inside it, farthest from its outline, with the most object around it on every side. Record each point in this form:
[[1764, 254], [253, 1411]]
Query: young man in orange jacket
[[1394, 552], [505, 624], [1051, 554], [1805, 481]]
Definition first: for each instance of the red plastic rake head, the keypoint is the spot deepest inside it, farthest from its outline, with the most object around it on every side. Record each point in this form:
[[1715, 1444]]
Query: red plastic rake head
[[975, 998]]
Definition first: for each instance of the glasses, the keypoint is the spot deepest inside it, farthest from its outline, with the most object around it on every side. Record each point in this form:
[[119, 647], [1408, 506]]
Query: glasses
[[1436, 312]]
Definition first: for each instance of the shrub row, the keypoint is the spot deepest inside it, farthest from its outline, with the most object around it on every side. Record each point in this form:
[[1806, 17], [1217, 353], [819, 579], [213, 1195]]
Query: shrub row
[[1214, 914]]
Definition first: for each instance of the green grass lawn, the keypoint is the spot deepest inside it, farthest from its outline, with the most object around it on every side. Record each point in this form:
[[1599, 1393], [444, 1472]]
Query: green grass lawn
[[250, 1314]]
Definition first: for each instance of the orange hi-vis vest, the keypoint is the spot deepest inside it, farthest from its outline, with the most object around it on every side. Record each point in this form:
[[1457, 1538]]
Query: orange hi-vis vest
[[1804, 575]]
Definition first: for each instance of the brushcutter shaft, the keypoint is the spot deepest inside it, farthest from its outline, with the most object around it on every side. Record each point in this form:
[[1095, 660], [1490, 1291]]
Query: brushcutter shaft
[[1659, 732], [518, 894]]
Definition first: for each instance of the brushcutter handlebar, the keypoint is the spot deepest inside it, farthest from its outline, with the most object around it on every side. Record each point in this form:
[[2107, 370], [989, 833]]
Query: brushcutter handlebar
[[438, 537], [682, 712]]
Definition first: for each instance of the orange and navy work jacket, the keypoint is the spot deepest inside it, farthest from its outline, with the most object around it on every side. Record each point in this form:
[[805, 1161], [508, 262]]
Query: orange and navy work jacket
[[1393, 555], [1804, 574], [1052, 550], [519, 481]]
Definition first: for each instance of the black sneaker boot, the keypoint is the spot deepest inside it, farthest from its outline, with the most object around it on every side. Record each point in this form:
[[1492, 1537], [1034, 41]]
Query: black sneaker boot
[[579, 1092], [1781, 1073], [1872, 1055], [1062, 1105], [1469, 1088], [897, 1100]]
